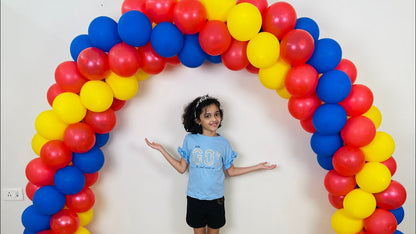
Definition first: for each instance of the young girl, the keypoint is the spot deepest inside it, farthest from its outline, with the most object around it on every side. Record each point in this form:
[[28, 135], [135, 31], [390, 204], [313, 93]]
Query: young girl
[[206, 153]]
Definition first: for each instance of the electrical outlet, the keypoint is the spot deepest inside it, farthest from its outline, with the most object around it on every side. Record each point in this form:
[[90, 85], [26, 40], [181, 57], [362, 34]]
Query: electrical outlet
[[12, 194]]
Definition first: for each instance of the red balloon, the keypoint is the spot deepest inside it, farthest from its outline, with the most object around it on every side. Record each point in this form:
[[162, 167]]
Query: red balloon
[[214, 37], [391, 165], [124, 59], [348, 67], [358, 101], [189, 16], [68, 77], [38, 173], [79, 137], [235, 58], [173, 60], [260, 4], [134, 5], [307, 125], [391, 198], [302, 108], [31, 189], [90, 179], [348, 160], [279, 19], [252, 69], [53, 92], [152, 62], [117, 104], [93, 63], [297, 47], [358, 131], [101, 122], [82, 201], [64, 222], [46, 232], [336, 201], [55, 154], [160, 10], [301, 80], [380, 222], [339, 185]]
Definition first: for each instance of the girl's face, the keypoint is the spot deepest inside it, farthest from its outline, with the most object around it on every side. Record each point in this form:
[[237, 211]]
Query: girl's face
[[210, 120]]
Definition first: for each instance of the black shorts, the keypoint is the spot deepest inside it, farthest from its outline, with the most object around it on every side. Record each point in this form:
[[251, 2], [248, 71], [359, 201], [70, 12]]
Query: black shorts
[[201, 213]]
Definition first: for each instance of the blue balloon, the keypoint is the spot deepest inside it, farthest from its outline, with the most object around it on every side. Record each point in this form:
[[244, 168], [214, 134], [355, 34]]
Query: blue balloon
[[192, 54], [325, 145], [34, 221], [397, 232], [103, 33], [325, 162], [101, 139], [333, 86], [89, 162], [308, 25], [80, 43], [214, 58], [326, 55], [69, 180], [398, 214], [26, 231], [166, 39], [329, 119], [48, 200], [135, 28]]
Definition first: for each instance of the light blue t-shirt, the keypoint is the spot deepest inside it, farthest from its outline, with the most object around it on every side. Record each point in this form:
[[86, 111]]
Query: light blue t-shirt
[[206, 157]]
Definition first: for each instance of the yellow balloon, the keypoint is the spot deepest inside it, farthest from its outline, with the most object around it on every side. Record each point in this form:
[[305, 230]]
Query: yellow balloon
[[82, 230], [375, 115], [69, 108], [218, 9], [123, 88], [96, 95], [359, 204], [283, 93], [244, 21], [85, 217], [273, 77], [37, 143], [374, 177], [380, 148], [344, 224], [50, 126], [141, 75], [263, 50]]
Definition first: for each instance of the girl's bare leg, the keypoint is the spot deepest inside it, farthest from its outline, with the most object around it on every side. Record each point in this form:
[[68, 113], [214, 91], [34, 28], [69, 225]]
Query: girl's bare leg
[[213, 231], [202, 230]]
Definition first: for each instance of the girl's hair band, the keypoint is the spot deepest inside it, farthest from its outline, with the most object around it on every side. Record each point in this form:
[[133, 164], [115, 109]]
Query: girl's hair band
[[201, 99]]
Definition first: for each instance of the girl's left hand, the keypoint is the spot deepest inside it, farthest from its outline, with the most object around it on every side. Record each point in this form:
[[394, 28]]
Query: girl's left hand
[[266, 166]]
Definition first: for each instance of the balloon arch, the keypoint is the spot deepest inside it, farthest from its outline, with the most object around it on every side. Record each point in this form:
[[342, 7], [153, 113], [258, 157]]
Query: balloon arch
[[269, 40]]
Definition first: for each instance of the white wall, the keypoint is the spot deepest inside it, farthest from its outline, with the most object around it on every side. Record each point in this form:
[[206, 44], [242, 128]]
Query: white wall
[[138, 192]]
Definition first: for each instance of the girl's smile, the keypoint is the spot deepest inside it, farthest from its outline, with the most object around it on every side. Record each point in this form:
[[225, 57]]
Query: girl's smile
[[209, 120]]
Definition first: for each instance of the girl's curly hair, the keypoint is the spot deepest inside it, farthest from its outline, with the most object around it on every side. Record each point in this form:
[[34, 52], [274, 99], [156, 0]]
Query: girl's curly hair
[[194, 109]]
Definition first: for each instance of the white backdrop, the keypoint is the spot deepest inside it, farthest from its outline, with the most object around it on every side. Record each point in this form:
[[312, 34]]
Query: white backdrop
[[137, 191]]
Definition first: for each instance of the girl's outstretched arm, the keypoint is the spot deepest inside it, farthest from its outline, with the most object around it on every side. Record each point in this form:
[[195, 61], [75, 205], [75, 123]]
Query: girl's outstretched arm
[[179, 165], [236, 171]]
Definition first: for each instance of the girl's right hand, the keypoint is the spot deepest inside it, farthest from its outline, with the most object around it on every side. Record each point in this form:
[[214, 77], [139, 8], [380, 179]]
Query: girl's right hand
[[154, 145]]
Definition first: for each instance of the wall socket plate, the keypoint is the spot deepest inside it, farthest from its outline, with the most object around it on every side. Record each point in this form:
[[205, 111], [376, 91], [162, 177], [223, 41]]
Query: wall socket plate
[[12, 194]]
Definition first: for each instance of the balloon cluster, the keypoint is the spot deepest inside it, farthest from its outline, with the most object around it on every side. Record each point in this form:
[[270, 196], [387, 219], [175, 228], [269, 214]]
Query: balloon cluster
[[269, 40]]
